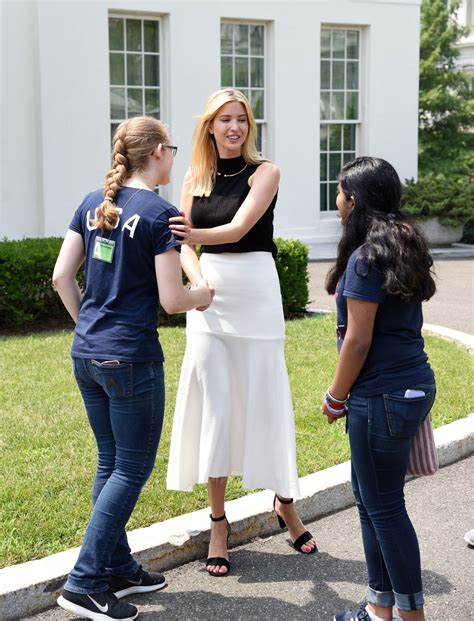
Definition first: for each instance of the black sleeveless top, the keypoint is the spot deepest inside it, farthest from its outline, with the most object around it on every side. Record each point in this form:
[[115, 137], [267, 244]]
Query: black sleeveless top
[[220, 207]]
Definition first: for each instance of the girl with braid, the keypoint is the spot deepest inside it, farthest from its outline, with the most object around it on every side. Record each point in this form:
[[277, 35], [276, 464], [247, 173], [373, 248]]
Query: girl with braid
[[131, 264]]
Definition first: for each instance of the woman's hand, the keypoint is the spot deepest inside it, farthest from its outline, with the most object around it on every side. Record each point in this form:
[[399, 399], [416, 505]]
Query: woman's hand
[[182, 229]]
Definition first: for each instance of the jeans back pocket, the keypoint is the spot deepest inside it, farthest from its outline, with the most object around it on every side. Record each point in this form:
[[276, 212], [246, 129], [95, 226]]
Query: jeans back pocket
[[405, 415]]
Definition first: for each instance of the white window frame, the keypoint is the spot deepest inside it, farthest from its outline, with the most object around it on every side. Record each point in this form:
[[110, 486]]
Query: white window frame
[[325, 213], [142, 17], [264, 122]]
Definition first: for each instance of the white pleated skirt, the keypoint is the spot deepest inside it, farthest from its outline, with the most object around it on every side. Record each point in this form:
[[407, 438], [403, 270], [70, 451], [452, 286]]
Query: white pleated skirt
[[233, 410]]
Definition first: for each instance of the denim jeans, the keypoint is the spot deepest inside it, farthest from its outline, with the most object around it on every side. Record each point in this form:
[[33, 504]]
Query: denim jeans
[[381, 429], [125, 405]]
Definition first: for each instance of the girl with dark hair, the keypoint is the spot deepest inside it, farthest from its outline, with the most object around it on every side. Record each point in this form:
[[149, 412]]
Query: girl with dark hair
[[121, 234], [383, 381]]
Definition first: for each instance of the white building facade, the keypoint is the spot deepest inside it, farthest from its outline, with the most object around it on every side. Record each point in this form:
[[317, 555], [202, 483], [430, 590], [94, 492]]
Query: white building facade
[[328, 80]]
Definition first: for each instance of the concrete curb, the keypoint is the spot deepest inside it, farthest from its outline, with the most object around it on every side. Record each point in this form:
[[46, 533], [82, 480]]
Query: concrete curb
[[31, 587]]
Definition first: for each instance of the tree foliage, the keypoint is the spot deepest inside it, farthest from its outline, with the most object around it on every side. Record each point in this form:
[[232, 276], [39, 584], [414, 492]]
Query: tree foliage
[[446, 105]]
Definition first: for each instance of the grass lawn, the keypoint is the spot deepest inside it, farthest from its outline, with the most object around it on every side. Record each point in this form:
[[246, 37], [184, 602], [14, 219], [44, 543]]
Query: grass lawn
[[47, 456]]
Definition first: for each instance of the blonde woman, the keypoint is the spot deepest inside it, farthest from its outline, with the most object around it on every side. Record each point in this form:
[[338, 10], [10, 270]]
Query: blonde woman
[[233, 410], [131, 265]]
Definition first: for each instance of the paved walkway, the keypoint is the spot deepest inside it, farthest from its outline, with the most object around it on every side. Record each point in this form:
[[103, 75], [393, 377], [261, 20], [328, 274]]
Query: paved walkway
[[451, 307], [270, 581]]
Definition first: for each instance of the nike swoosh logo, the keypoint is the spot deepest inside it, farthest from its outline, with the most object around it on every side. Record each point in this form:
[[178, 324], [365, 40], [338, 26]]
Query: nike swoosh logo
[[101, 608], [135, 582]]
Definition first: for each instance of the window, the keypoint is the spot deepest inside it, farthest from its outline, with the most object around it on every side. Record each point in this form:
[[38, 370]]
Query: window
[[134, 61], [243, 67], [340, 107]]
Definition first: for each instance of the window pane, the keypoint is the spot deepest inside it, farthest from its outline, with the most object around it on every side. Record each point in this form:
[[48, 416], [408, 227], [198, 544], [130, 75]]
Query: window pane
[[134, 35], [337, 106], [152, 70], [241, 34], [117, 103], [349, 137], [134, 70], [226, 38], [227, 78], [325, 74], [352, 75], [116, 33], [332, 197], [347, 157], [335, 143], [323, 167], [352, 44], [325, 105], [323, 197], [245, 92], [152, 36], [135, 101], [259, 141], [256, 99], [256, 40], [338, 43], [338, 74], [117, 68], [325, 43], [241, 72], [323, 138], [113, 127], [352, 106], [256, 66], [152, 102], [334, 165]]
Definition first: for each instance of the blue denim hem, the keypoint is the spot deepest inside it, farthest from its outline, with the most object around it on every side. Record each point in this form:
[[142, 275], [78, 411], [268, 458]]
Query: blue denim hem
[[380, 598], [409, 602], [75, 589]]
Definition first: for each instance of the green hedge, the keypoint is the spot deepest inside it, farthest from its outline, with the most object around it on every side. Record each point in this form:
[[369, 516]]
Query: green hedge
[[438, 196], [26, 295]]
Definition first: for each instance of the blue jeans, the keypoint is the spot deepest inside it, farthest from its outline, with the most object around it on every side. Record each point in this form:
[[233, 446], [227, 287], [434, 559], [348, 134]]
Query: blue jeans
[[381, 429], [125, 406]]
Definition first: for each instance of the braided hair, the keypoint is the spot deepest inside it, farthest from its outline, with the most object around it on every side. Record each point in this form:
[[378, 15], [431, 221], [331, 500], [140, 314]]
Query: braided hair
[[134, 140]]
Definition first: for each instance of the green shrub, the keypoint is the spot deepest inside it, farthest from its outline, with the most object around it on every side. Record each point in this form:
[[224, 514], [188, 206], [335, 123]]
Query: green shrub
[[26, 294], [437, 196], [468, 234], [292, 267], [26, 267]]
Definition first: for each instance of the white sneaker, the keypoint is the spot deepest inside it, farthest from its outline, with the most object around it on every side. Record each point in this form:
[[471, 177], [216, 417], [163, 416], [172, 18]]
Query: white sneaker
[[469, 538]]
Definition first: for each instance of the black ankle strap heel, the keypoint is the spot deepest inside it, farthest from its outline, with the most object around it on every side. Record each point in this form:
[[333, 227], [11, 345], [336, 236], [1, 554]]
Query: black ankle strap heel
[[302, 539], [219, 560]]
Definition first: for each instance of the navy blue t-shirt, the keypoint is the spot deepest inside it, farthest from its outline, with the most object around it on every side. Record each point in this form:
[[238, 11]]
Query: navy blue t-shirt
[[396, 357], [118, 316]]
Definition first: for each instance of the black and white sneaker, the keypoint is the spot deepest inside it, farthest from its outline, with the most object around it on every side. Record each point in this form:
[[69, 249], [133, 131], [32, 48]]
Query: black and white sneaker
[[141, 582], [97, 606]]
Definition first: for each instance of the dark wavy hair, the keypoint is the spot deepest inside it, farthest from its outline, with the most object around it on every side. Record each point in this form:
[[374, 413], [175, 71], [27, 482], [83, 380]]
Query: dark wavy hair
[[390, 241]]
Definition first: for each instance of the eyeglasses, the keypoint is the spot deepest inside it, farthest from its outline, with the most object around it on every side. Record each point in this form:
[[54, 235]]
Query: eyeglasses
[[174, 150]]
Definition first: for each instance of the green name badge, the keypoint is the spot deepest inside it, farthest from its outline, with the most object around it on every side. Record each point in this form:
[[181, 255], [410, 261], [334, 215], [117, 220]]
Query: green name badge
[[104, 249]]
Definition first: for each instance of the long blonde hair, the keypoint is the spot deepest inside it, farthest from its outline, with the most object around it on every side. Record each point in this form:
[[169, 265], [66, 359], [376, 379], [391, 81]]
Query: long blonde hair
[[204, 152], [134, 140]]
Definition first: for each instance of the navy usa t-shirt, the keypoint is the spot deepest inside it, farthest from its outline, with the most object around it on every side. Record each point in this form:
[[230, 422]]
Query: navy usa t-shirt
[[396, 357], [118, 316]]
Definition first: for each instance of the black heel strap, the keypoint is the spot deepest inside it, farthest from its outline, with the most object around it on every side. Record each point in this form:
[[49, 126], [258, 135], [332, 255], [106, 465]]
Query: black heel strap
[[284, 501], [217, 519]]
